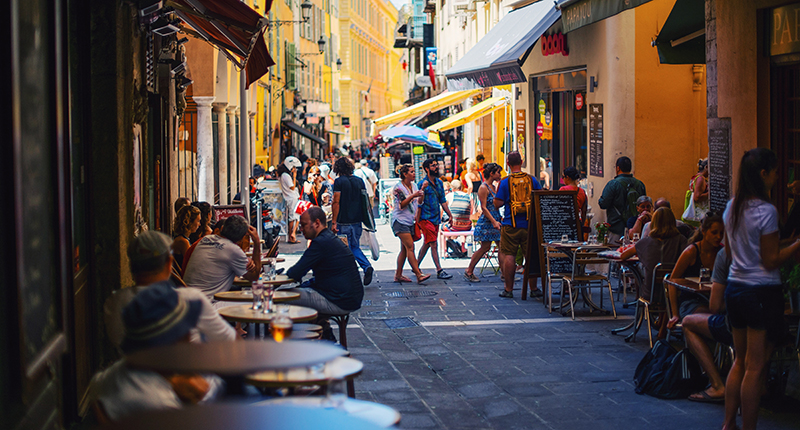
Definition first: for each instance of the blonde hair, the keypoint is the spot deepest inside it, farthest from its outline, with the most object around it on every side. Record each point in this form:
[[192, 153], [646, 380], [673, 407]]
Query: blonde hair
[[455, 184], [471, 165], [663, 225]]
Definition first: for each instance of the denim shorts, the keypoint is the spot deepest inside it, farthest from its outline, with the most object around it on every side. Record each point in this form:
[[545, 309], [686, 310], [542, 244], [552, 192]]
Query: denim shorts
[[759, 307], [398, 228], [718, 326]]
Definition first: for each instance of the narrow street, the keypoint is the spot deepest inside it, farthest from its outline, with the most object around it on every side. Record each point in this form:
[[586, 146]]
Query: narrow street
[[454, 355]]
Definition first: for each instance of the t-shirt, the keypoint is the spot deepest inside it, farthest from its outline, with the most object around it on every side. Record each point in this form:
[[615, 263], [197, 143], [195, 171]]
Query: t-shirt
[[460, 206], [350, 198], [406, 215], [369, 178], [721, 268], [214, 264], [286, 183], [652, 251], [759, 218], [434, 197], [503, 193], [210, 326]]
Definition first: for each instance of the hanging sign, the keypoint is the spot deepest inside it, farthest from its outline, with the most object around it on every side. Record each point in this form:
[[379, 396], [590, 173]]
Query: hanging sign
[[540, 129], [579, 101], [542, 107], [521, 129]]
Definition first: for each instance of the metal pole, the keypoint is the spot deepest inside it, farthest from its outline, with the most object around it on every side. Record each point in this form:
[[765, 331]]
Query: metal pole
[[259, 221], [244, 143], [268, 141]]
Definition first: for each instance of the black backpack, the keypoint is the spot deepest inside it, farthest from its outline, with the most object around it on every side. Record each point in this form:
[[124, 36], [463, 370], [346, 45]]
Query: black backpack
[[454, 249], [666, 373]]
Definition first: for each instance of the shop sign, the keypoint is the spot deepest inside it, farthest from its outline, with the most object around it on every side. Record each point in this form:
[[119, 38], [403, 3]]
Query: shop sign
[[579, 101], [522, 128], [584, 12], [596, 140], [784, 31], [547, 117], [542, 107], [540, 129], [556, 43]]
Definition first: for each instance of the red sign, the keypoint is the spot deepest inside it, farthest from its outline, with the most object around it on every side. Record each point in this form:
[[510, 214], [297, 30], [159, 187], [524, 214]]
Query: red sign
[[579, 101], [540, 129], [554, 44], [223, 212]]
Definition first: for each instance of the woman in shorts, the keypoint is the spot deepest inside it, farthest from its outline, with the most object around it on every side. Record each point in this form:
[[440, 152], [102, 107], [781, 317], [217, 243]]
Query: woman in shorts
[[754, 296], [487, 229], [407, 198]]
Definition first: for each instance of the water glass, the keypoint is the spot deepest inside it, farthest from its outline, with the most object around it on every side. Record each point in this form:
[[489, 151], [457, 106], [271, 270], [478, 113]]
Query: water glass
[[336, 393], [635, 237], [281, 327], [705, 275], [258, 288], [593, 239], [268, 293], [564, 238]]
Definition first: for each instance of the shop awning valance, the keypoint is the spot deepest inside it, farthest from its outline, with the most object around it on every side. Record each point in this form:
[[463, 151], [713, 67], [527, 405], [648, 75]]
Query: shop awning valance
[[579, 13], [441, 101], [682, 39], [233, 27], [303, 132], [497, 58], [468, 115]]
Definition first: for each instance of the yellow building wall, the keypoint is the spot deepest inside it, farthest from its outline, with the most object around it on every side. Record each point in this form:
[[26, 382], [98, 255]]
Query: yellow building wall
[[670, 114]]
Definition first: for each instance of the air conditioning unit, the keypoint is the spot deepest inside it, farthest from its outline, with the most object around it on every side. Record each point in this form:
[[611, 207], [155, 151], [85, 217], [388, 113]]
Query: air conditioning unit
[[461, 4]]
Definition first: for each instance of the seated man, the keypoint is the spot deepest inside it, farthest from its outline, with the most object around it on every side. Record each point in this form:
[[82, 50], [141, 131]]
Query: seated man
[[218, 259], [157, 316], [686, 230], [460, 205], [698, 328], [336, 288], [644, 209]]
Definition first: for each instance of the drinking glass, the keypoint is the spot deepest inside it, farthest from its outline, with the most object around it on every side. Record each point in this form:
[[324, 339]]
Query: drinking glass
[[281, 327], [336, 393], [564, 238], [268, 292], [705, 275], [269, 269], [636, 237], [593, 239], [258, 289]]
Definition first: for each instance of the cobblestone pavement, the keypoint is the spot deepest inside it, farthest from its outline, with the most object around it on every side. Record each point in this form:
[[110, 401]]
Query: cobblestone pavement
[[454, 355]]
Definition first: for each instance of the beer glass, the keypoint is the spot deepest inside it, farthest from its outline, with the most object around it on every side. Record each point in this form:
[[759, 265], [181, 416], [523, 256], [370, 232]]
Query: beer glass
[[281, 327]]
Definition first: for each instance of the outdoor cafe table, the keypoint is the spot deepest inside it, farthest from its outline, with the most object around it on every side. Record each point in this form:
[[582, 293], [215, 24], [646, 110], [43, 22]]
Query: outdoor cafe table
[[279, 280], [243, 417], [376, 413], [691, 285], [247, 296], [339, 368], [633, 266], [246, 314], [569, 249], [233, 358]]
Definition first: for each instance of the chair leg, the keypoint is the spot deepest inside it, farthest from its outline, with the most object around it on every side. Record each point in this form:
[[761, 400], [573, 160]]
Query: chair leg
[[649, 329], [571, 302], [611, 299]]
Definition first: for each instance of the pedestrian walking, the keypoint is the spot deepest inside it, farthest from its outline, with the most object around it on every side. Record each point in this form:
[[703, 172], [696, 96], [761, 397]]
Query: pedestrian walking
[[487, 229], [431, 214], [514, 194], [619, 198], [754, 296], [287, 172], [407, 198], [368, 176], [348, 211]]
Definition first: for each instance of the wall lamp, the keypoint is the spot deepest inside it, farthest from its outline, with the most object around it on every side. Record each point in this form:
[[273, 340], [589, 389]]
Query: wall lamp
[[305, 11], [320, 44], [592, 83]]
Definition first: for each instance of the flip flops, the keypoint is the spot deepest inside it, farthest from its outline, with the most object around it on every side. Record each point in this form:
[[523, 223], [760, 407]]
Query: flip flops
[[402, 279], [704, 397], [423, 278]]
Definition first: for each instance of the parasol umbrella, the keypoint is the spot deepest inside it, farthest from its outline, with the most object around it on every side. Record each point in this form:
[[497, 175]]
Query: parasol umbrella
[[412, 134]]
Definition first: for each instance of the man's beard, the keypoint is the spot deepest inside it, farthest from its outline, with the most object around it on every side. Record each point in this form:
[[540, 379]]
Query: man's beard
[[434, 173]]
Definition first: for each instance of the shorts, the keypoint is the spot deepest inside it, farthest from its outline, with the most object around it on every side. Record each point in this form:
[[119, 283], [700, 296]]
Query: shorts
[[513, 239], [718, 326], [398, 228], [689, 306], [759, 307], [430, 231]]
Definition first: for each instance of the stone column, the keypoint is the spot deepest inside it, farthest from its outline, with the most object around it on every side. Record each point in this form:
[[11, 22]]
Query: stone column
[[222, 151], [233, 171], [205, 150]]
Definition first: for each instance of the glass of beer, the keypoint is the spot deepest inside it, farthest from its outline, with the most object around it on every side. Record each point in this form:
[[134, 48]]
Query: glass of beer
[[281, 327]]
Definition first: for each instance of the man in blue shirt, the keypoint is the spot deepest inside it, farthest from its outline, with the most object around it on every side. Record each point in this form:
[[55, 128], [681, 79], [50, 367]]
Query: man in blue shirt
[[431, 215], [514, 233]]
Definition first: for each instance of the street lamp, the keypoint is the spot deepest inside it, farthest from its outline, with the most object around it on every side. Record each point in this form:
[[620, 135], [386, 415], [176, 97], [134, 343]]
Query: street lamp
[[320, 44], [305, 11], [339, 64]]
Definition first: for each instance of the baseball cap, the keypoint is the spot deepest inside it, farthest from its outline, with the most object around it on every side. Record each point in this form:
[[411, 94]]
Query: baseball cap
[[158, 316], [291, 161], [149, 251]]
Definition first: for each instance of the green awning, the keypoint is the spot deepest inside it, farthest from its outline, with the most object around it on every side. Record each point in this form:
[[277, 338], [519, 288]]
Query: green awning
[[682, 39], [578, 13]]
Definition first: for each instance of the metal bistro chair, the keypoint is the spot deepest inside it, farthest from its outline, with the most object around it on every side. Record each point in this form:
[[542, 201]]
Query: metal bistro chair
[[551, 253], [657, 302], [487, 259], [579, 279]]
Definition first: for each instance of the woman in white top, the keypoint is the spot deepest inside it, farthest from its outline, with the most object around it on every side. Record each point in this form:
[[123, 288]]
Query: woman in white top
[[407, 198], [287, 179], [753, 297]]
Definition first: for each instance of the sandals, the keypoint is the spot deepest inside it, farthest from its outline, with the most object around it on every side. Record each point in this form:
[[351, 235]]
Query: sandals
[[704, 397], [296, 241], [471, 277], [423, 278], [402, 279]]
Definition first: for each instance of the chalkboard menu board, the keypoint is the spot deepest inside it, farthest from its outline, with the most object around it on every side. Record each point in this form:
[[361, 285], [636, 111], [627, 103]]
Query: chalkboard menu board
[[719, 167], [556, 214], [596, 140]]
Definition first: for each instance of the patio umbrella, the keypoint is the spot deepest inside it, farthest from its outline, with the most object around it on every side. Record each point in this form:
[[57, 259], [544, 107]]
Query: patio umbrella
[[412, 134]]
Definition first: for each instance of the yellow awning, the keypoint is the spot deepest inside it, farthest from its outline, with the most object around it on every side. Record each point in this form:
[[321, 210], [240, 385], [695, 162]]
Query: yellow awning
[[483, 108], [439, 102]]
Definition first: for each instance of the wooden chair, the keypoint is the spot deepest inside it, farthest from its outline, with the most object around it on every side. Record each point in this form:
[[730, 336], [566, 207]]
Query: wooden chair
[[550, 254], [273, 250], [579, 279], [656, 303]]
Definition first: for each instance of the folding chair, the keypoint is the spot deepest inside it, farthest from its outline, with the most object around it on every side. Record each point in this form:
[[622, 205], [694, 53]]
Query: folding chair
[[657, 300], [487, 259], [579, 279]]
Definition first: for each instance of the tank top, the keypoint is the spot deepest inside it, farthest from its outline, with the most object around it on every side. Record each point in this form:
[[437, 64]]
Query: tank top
[[694, 270]]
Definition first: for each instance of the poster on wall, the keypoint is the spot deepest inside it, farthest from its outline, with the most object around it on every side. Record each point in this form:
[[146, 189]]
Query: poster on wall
[[719, 165], [274, 198], [596, 140], [521, 130]]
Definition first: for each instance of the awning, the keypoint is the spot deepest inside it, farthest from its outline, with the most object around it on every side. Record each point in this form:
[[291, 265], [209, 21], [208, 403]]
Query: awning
[[439, 102], [578, 13], [231, 26], [340, 133], [303, 132], [682, 39], [468, 115], [497, 57]]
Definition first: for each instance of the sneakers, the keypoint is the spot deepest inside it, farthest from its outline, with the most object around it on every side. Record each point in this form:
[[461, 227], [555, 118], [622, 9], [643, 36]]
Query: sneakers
[[368, 275], [507, 294], [443, 275], [471, 277]]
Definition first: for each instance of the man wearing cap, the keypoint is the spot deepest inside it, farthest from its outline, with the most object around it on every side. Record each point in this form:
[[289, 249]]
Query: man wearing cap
[[157, 316], [151, 263], [218, 259], [287, 179]]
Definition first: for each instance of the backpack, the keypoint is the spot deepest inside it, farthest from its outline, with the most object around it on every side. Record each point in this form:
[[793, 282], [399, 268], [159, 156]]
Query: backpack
[[631, 195], [668, 374], [455, 250], [520, 187]]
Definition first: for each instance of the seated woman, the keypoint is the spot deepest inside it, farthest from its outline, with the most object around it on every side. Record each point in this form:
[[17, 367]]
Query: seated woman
[[205, 221], [186, 222], [705, 244], [663, 245]]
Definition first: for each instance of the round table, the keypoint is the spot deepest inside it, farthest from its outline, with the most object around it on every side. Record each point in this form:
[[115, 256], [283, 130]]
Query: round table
[[246, 314], [235, 357], [375, 413], [247, 296], [338, 368], [243, 417], [279, 280]]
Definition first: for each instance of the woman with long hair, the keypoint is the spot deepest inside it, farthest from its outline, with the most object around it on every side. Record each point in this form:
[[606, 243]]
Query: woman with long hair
[[700, 254], [205, 221], [699, 187], [571, 178], [487, 229], [187, 221], [407, 198], [472, 181], [753, 297], [287, 179]]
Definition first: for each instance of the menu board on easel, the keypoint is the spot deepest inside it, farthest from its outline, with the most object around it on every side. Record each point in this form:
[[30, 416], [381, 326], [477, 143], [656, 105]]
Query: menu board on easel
[[556, 215], [719, 166]]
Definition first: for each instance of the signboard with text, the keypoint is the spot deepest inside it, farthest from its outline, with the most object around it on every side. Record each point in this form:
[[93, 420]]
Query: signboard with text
[[521, 128], [719, 164], [596, 140], [784, 34]]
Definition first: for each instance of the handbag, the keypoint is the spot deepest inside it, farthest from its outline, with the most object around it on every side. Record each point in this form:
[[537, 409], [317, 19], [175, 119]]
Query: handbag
[[690, 214], [374, 247], [366, 212], [417, 235]]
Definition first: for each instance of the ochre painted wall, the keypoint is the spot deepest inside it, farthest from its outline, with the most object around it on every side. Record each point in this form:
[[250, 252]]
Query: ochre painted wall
[[201, 58]]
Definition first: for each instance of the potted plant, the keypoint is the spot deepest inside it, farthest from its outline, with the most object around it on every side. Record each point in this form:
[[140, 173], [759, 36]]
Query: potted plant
[[602, 231], [790, 277]]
